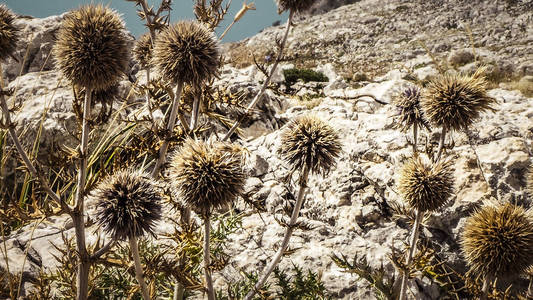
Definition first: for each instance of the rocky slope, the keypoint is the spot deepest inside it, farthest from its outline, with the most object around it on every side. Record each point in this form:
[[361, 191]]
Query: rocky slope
[[349, 210]]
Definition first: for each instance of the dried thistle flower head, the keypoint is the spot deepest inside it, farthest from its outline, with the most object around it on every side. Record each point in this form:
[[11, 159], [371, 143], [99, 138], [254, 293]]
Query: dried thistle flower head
[[310, 141], [207, 175], [426, 187], [142, 51], [456, 101], [410, 111], [186, 52], [294, 5], [9, 33], [92, 48], [498, 240], [128, 204]]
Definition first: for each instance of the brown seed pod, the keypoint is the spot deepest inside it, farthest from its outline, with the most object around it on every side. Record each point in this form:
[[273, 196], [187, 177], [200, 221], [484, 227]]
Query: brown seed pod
[[207, 176], [411, 114], [186, 52], [142, 51], [92, 48], [309, 141], [128, 204], [426, 187], [294, 5], [456, 101], [498, 240], [9, 33]]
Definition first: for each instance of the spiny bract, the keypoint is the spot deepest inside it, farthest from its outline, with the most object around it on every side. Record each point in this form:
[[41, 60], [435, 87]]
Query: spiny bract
[[207, 175], [426, 187], [456, 101], [498, 240], [294, 5], [92, 48], [311, 142], [128, 204], [9, 33], [142, 51], [410, 111], [186, 52]]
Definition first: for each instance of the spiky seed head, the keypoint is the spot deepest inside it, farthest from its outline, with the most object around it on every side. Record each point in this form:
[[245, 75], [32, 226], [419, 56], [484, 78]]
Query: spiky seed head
[[426, 186], [207, 175], [9, 33], [294, 5], [456, 101], [311, 142], [128, 204], [92, 48], [142, 51], [498, 240], [408, 102], [186, 52]]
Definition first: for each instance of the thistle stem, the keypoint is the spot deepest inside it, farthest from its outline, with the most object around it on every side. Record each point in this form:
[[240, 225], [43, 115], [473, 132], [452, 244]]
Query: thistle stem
[[226, 31], [486, 286], [78, 215], [415, 138], [441, 144], [259, 96], [286, 238], [207, 259], [139, 274], [412, 250], [530, 288], [194, 113], [170, 128]]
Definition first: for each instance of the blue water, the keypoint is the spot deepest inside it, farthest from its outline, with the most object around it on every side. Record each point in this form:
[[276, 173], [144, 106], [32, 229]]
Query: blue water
[[250, 24]]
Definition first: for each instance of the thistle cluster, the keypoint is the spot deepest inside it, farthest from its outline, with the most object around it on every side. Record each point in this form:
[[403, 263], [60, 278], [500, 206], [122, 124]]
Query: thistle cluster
[[92, 48], [308, 141], [9, 33], [455, 101], [207, 175], [128, 204], [426, 187], [498, 240]]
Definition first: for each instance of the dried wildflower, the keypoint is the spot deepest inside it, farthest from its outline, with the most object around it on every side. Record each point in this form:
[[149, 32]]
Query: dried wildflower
[[310, 141], [9, 33], [186, 52], [456, 101], [207, 175], [128, 204], [142, 51], [92, 48], [410, 111], [426, 187], [498, 240], [294, 5]]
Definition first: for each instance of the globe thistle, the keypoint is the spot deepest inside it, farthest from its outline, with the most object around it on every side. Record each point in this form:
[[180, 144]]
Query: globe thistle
[[207, 175], [9, 33], [142, 51], [91, 48], [410, 111], [310, 141], [128, 204], [456, 101], [426, 187], [186, 52], [498, 240], [294, 5]]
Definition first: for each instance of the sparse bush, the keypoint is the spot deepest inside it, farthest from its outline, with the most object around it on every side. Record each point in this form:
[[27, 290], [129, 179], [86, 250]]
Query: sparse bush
[[306, 75]]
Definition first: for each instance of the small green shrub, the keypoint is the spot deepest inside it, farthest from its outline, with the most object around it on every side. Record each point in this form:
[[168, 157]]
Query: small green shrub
[[306, 75]]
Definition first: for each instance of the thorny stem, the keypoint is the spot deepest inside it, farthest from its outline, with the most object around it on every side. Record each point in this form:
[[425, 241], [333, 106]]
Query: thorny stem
[[147, 94], [78, 217], [415, 137], [139, 275], [412, 250], [259, 96], [286, 238], [194, 113], [170, 128], [148, 20], [24, 156], [441, 144], [207, 260]]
